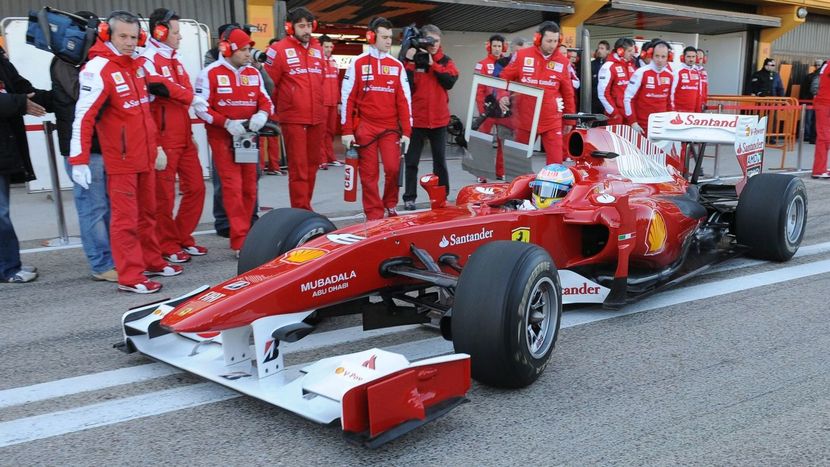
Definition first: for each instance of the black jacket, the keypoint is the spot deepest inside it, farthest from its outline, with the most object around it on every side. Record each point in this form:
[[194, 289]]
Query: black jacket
[[65, 91], [14, 149], [596, 105], [766, 84]]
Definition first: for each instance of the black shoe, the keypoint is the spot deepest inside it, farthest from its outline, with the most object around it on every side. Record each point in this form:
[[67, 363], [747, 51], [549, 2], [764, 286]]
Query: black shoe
[[224, 232], [409, 205]]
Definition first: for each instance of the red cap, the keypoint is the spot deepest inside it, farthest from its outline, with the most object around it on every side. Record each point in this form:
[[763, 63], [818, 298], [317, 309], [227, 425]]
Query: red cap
[[238, 39]]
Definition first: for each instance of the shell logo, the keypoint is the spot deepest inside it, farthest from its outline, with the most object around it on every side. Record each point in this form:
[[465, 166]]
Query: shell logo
[[339, 370], [302, 255], [657, 234], [185, 311]]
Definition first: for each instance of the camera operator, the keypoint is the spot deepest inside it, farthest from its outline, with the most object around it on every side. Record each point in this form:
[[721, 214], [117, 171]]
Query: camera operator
[[375, 106], [487, 67], [170, 107], [295, 63], [544, 66], [431, 74], [235, 92]]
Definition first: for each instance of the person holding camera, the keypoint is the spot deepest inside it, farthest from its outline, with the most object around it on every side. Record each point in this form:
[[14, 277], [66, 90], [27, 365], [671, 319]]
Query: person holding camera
[[543, 66], [485, 98], [431, 74], [172, 97], [375, 116], [296, 65], [113, 102], [235, 93]]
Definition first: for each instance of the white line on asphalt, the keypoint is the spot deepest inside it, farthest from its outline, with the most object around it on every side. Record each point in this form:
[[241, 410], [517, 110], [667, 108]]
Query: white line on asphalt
[[160, 402]]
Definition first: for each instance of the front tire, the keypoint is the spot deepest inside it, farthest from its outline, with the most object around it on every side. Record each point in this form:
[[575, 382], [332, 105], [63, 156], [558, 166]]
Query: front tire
[[278, 231], [772, 216], [507, 313]]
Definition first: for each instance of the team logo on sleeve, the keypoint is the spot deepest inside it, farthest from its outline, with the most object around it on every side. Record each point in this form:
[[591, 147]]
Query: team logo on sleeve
[[118, 77], [223, 80], [290, 53]]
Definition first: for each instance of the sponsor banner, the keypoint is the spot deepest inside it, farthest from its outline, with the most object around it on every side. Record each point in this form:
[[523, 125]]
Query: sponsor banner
[[578, 289], [697, 127]]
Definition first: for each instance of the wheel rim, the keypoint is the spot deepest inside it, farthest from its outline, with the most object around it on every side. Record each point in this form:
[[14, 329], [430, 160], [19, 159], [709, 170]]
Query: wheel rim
[[541, 317], [795, 219]]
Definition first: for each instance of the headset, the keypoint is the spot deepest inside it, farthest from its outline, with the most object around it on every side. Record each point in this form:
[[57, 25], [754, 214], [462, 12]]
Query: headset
[[537, 37], [105, 31], [161, 31], [371, 35], [661, 42], [622, 43], [224, 40], [289, 27], [702, 61], [487, 47]]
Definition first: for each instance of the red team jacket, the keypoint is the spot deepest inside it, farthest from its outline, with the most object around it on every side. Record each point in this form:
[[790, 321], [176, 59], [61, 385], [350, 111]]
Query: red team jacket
[[529, 66], [485, 67], [704, 87], [297, 72], [823, 96], [377, 88], [331, 83], [171, 114], [232, 93], [119, 82], [430, 101], [647, 92], [612, 80], [685, 91]]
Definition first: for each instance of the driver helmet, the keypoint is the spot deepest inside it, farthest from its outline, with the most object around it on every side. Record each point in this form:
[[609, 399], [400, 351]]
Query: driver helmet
[[551, 184]]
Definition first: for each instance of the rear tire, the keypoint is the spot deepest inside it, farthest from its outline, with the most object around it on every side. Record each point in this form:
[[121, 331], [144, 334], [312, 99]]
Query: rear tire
[[278, 231], [507, 312], [772, 216]]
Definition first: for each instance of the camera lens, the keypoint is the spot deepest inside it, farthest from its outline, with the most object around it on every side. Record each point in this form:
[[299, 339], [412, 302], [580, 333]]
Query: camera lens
[[246, 144]]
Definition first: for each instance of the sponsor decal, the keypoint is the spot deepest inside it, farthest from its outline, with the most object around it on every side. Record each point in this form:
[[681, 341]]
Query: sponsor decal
[[165, 71], [271, 53], [224, 91], [650, 79], [626, 236], [87, 75], [235, 375], [290, 53], [157, 311], [528, 61], [557, 67], [315, 53], [139, 73], [370, 364], [366, 69], [303, 255], [211, 297], [240, 284], [657, 234], [665, 80], [182, 312], [345, 239], [223, 80], [179, 69], [236, 103], [272, 351], [340, 371], [329, 284], [478, 66], [83, 88], [486, 190], [250, 80], [520, 234], [605, 198], [584, 289], [117, 77], [753, 159], [490, 68], [715, 121], [293, 61], [454, 239], [122, 88]]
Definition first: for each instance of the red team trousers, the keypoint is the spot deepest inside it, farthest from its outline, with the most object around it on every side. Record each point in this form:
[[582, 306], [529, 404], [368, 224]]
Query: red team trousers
[[133, 196], [239, 185], [368, 170], [327, 153], [822, 139], [302, 149], [551, 141], [176, 233]]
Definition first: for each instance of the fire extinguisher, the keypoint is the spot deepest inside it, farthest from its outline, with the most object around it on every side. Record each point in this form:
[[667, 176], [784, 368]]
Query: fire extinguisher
[[350, 175]]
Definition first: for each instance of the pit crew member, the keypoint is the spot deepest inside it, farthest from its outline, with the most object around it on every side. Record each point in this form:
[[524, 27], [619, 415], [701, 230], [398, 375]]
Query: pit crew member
[[613, 77], [296, 65], [822, 106], [704, 77], [685, 91], [113, 99], [542, 65], [235, 92], [170, 105], [496, 45], [649, 88], [331, 99], [429, 83], [375, 115]]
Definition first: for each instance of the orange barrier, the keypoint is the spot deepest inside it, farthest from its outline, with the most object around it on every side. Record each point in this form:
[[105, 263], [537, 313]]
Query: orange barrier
[[782, 115]]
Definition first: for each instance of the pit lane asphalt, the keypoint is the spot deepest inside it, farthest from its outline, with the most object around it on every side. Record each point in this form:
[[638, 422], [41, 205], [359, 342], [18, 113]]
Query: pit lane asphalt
[[739, 378]]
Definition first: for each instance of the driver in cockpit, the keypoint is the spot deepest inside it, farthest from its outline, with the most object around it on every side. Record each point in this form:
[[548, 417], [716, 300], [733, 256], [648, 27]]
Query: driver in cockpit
[[551, 184]]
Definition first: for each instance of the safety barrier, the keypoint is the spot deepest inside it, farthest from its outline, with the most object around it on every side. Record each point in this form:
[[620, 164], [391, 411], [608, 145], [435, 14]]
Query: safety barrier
[[783, 115]]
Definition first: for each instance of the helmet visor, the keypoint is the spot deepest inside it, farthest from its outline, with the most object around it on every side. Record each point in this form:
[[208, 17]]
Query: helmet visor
[[548, 189]]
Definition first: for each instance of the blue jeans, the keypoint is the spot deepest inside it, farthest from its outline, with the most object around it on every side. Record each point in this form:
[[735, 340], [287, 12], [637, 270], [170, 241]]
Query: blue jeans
[[93, 206], [9, 246]]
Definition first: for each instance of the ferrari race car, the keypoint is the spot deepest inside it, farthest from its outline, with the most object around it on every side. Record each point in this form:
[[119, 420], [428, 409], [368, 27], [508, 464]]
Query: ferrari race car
[[493, 277]]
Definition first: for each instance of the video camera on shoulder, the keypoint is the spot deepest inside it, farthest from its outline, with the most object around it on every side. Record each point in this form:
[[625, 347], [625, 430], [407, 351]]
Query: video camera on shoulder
[[412, 37]]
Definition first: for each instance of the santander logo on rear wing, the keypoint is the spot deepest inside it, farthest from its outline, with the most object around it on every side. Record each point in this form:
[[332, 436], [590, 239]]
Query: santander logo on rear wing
[[699, 127]]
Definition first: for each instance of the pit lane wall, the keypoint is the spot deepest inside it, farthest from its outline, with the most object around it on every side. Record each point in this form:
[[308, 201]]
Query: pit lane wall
[[33, 64]]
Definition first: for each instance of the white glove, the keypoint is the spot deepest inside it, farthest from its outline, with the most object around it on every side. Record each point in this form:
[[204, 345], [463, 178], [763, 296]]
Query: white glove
[[161, 159], [560, 104], [258, 121], [347, 140], [404, 143], [199, 104], [82, 176], [235, 127], [636, 127]]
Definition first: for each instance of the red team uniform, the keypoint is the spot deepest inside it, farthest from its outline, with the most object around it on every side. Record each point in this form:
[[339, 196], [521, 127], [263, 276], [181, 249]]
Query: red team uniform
[[612, 80], [331, 96], [821, 103], [297, 71], [647, 93], [487, 67], [529, 66], [375, 109], [685, 93]]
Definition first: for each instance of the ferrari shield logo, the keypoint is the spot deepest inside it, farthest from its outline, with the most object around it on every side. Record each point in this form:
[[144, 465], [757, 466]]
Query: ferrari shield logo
[[520, 234], [657, 234], [302, 255]]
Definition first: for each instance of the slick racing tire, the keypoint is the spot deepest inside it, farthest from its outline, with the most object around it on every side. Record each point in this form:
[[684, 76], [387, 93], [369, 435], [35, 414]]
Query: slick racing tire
[[771, 216], [278, 231], [507, 312]]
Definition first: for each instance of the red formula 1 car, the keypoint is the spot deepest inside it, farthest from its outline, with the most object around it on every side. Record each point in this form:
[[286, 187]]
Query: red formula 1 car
[[494, 276]]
